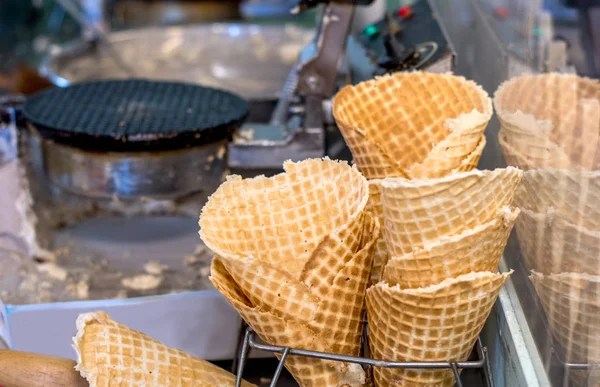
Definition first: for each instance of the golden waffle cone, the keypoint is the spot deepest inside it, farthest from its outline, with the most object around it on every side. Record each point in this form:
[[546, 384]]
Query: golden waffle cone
[[283, 219], [374, 206], [333, 325], [527, 158], [412, 125], [551, 117], [573, 195], [550, 244], [474, 250], [293, 256], [437, 323], [110, 354], [439, 164], [571, 302], [420, 211]]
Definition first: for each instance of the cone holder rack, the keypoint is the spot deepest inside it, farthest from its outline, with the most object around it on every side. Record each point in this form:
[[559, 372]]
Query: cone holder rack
[[589, 367], [249, 343]]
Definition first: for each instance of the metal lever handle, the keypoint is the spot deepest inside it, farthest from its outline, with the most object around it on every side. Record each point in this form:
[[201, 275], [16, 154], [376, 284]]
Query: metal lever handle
[[306, 4]]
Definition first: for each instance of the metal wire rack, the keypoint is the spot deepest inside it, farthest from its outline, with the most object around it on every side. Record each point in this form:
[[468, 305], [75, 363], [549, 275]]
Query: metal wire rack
[[593, 370], [249, 342]]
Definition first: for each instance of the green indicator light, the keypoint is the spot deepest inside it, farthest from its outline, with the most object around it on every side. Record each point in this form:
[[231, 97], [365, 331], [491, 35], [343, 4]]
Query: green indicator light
[[537, 31], [370, 31]]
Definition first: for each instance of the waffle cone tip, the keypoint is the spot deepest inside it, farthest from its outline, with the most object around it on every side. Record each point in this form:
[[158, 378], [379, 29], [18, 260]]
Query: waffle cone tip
[[82, 321]]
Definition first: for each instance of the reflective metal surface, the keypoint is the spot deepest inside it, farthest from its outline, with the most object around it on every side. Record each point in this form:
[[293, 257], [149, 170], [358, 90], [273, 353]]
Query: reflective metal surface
[[157, 175], [8, 127], [185, 54]]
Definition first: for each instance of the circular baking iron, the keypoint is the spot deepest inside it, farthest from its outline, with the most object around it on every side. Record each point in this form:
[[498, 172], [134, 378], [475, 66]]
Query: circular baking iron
[[135, 115]]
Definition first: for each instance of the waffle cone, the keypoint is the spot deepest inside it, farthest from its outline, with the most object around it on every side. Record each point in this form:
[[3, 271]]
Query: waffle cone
[[110, 354], [436, 323], [474, 250], [380, 256], [472, 160], [412, 125], [333, 324], [293, 256], [528, 158], [573, 195], [550, 244], [417, 212], [571, 302], [554, 118]]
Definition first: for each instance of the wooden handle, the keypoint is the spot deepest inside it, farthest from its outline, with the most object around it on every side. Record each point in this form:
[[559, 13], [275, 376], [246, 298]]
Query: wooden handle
[[20, 369]]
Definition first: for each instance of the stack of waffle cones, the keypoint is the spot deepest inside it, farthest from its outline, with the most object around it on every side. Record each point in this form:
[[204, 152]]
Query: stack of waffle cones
[[417, 137], [572, 304], [412, 125], [549, 121], [445, 238], [293, 256], [550, 126], [110, 354]]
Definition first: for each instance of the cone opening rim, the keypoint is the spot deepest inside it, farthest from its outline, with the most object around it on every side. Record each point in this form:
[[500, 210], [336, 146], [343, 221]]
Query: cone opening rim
[[486, 100], [504, 214], [529, 121], [448, 282], [397, 183], [563, 171], [591, 278], [551, 219], [233, 179]]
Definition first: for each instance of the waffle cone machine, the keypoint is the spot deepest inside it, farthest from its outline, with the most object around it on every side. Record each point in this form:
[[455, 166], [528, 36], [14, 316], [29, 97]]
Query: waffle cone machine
[[111, 174]]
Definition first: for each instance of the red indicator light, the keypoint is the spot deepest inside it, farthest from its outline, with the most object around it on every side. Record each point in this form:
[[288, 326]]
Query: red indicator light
[[405, 12], [502, 12]]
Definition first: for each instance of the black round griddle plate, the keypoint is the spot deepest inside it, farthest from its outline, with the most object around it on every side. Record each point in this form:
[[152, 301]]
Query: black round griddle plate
[[135, 115]]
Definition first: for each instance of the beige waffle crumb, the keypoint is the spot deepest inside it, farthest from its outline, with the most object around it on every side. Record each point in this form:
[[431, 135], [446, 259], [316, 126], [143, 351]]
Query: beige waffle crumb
[[155, 268], [205, 271], [45, 295], [28, 283], [200, 249], [191, 260], [80, 290], [45, 285], [45, 255], [245, 135], [196, 257], [54, 271], [121, 295], [142, 282], [221, 152]]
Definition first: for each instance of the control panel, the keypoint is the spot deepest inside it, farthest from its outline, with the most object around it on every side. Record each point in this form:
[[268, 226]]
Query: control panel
[[408, 38]]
